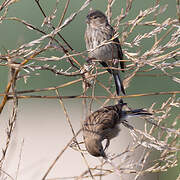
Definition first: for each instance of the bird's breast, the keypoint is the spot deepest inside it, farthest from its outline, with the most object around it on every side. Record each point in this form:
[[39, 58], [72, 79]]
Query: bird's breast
[[99, 47]]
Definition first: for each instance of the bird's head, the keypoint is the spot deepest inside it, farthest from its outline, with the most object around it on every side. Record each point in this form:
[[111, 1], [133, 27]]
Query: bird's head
[[94, 147], [96, 18]]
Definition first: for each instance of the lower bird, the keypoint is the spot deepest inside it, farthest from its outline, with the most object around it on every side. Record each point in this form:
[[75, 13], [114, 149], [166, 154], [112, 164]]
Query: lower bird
[[103, 124]]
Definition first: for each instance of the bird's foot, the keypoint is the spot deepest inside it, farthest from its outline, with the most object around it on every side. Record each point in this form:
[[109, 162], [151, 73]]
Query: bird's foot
[[89, 60]]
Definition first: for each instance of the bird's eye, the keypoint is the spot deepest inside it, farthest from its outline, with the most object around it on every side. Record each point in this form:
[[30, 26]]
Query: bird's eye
[[95, 17]]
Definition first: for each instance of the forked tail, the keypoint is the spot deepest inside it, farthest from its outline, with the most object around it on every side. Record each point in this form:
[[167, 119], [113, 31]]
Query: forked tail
[[118, 84], [136, 112]]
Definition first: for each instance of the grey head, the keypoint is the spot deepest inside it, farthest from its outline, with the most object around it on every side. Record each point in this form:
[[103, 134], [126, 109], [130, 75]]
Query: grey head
[[96, 18]]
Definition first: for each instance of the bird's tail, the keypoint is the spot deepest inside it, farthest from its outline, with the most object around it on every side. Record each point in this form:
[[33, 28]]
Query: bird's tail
[[118, 84], [136, 112]]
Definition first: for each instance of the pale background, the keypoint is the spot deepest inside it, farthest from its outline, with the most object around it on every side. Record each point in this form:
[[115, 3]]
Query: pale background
[[41, 124]]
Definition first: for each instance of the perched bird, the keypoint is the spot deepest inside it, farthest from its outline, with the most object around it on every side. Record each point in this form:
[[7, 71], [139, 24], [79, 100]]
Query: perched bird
[[97, 32], [103, 124]]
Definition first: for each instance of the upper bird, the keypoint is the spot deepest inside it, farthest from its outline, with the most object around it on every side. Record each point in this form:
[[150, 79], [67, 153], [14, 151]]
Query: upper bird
[[99, 31], [103, 124]]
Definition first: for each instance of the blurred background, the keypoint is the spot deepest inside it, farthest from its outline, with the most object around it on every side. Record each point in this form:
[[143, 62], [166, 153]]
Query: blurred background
[[41, 129]]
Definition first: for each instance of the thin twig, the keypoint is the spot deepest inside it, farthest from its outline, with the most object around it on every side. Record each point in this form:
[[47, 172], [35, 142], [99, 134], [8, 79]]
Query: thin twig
[[73, 132], [59, 155]]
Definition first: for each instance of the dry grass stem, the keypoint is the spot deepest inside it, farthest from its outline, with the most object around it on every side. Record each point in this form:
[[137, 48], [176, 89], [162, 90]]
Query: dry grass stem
[[30, 60]]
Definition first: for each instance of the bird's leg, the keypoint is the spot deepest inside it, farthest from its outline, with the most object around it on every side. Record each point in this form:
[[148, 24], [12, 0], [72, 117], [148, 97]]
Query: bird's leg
[[120, 101], [90, 60], [115, 61]]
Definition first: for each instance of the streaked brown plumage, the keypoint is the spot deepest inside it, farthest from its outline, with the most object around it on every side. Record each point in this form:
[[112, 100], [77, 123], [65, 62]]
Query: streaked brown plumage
[[98, 31], [103, 124]]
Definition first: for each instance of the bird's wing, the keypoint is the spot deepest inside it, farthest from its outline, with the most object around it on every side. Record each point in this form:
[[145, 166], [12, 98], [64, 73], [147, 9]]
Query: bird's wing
[[106, 118], [120, 53], [104, 64], [117, 43]]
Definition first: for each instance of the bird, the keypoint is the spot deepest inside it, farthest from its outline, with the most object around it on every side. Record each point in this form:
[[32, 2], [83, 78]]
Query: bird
[[103, 124], [97, 32]]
